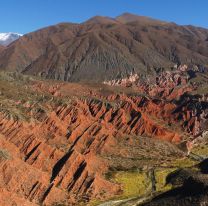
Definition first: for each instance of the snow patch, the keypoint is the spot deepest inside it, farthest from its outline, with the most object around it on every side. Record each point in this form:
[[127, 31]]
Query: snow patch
[[8, 38]]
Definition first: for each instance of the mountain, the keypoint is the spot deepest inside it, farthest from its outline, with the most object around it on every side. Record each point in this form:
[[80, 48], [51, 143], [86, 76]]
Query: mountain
[[1, 48], [8, 38], [101, 20], [128, 18], [103, 48]]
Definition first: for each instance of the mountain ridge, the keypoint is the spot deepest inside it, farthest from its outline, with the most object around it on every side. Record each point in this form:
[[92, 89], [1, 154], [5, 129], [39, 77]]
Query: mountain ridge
[[104, 48]]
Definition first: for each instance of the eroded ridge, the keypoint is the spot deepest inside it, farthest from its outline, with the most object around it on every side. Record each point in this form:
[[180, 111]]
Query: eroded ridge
[[62, 149]]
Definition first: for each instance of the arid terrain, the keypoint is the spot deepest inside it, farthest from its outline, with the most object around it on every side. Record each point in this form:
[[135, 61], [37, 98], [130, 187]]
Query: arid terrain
[[107, 112], [63, 146]]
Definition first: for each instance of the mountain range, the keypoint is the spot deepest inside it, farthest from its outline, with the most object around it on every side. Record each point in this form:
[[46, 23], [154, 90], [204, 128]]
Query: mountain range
[[8, 38], [104, 48]]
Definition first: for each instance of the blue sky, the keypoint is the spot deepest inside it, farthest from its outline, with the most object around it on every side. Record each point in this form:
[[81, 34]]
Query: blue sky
[[28, 15]]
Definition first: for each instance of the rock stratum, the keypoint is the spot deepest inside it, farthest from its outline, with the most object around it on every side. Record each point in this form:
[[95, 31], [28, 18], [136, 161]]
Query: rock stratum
[[106, 49], [62, 143]]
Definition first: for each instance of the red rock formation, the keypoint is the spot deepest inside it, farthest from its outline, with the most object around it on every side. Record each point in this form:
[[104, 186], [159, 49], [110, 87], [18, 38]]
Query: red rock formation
[[64, 153], [58, 159]]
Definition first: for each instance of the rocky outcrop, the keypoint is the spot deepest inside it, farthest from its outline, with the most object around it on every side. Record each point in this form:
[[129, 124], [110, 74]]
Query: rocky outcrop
[[166, 84]]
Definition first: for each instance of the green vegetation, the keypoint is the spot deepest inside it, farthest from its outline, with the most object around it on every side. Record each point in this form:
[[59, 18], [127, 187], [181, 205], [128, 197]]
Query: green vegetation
[[139, 183], [201, 151], [160, 176], [183, 163], [133, 183], [136, 184]]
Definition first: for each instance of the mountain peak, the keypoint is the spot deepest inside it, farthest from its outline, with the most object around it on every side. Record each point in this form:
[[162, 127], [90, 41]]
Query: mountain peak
[[123, 19], [101, 19], [128, 17], [8, 38]]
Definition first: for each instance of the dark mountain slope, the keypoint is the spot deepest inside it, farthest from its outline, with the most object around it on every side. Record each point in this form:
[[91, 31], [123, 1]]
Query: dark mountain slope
[[1, 48], [103, 48]]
